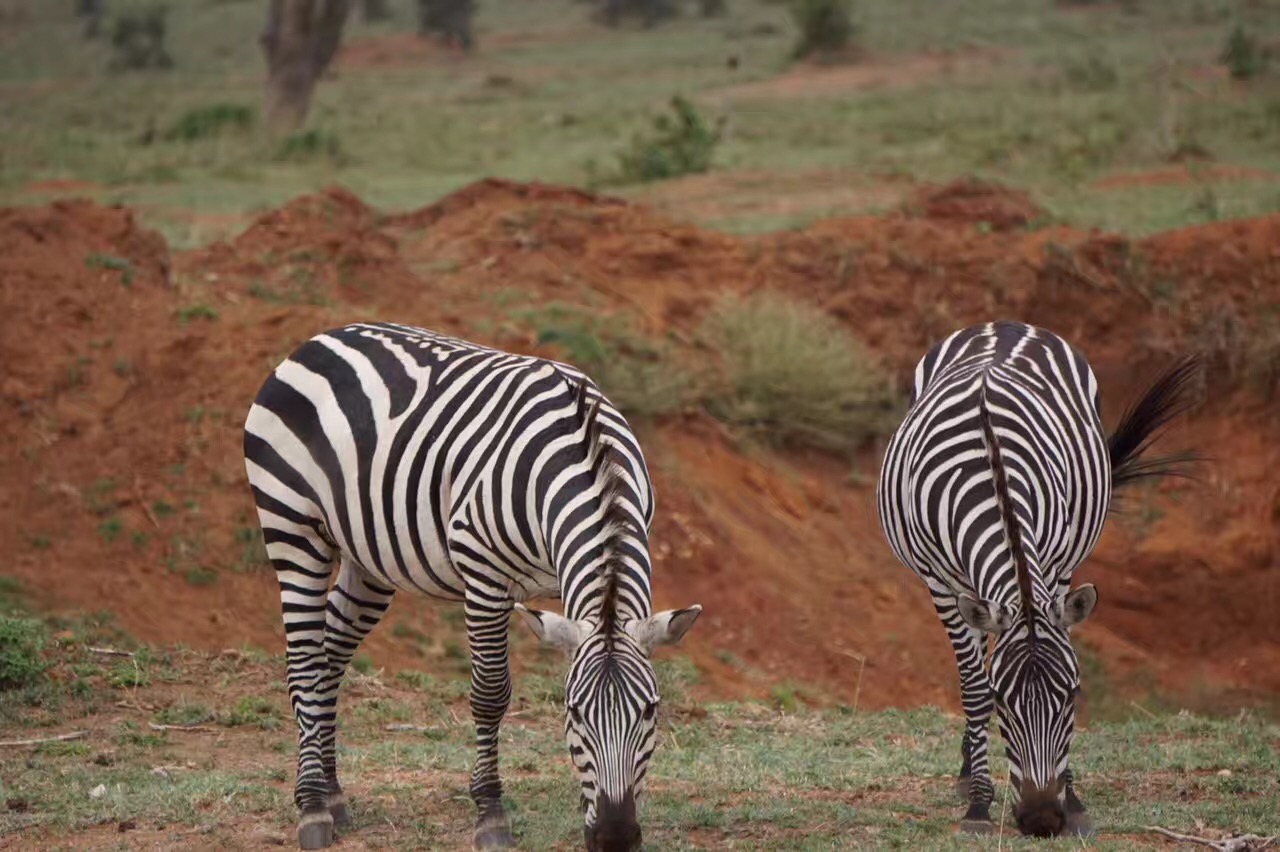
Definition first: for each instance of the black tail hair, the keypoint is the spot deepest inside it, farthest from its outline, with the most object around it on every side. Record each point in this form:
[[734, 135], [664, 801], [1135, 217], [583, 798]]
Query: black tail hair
[[1169, 397]]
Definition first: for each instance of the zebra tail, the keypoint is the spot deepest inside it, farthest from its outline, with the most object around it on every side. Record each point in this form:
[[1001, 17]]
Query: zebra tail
[[1169, 397]]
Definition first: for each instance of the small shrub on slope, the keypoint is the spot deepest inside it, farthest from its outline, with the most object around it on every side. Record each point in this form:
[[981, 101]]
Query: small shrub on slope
[[793, 375], [21, 641]]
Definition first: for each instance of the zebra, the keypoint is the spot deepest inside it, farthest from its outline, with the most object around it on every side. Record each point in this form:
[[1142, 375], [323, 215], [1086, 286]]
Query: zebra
[[993, 490], [426, 463]]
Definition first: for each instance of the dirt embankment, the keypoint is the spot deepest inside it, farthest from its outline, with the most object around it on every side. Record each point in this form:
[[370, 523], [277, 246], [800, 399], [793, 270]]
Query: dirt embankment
[[128, 373]]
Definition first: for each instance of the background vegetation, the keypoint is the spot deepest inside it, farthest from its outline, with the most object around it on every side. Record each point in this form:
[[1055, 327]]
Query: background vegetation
[[1044, 95]]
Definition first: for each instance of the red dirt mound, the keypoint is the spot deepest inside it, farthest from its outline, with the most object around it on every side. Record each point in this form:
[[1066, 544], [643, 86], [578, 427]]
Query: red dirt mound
[[123, 489], [976, 201]]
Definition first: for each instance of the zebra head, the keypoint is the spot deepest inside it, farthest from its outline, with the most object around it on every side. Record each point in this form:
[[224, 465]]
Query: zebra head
[[611, 711], [1035, 678]]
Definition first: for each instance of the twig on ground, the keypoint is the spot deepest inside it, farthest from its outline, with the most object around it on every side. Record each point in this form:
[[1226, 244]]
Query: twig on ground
[[110, 652], [1243, 843], [73, 735], [417, 729], [190, 728]]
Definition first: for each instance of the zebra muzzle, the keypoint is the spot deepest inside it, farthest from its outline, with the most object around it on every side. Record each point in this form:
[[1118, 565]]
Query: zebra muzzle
[[615, 828]]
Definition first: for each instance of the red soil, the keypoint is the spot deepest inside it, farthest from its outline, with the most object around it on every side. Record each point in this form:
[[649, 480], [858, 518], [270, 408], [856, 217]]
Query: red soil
[[120, 433]]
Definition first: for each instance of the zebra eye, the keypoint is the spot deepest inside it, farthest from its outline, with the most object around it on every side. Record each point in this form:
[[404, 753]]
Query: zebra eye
[[575, 715], [650, 710]]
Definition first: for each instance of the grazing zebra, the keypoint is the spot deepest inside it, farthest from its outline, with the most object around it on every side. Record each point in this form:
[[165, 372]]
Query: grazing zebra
[[994, 488], [437, 466]]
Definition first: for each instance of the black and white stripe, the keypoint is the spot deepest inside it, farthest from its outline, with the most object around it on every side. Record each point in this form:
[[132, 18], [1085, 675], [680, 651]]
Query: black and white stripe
[[993, 490], [425, 463]]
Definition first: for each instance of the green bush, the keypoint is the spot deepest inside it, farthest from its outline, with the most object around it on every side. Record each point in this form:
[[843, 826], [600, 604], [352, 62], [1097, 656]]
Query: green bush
[[310, 145], [794, 376], [137, 39], [826, 27], [21, 641], [680, 142], [636, 374], [207, 121], [1242, 55], [612, 13]]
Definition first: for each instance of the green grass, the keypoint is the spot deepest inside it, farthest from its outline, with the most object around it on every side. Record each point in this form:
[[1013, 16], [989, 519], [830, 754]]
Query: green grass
[[1065, 96], [724, 776]]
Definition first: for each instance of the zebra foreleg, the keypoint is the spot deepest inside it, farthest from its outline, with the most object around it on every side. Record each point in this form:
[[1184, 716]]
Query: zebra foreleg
[[1078, 822], [487, 622], [974, 781], [356, 605]]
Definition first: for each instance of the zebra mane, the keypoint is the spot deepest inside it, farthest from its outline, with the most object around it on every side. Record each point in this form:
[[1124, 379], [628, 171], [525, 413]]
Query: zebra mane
[[615, 519], [1008, 516]]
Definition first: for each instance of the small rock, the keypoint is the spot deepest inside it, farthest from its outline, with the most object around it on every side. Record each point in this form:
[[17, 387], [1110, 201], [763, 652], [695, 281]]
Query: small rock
[[1224, 773], [160, 772], [269, 838], [98, 792]]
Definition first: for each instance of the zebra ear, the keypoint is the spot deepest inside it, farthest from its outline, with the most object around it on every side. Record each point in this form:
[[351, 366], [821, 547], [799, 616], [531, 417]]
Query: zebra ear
[[663, 628], [981, 615], [1078, 605], [554, 630]]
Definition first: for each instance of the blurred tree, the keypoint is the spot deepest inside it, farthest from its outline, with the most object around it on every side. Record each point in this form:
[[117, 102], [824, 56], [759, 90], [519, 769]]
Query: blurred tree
[[299, 41], [92, 10], [374, 10], [448, 20]]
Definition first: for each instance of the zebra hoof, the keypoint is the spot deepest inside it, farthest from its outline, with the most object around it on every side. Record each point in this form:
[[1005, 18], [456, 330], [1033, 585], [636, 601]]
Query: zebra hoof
[[338, 810], [977, 826], [494, 833], [1079, 825], [962, 789], [315, 830]]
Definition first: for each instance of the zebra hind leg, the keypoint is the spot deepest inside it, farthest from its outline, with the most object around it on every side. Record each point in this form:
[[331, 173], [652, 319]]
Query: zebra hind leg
[[490, 697], [356, 604], [303, 566]]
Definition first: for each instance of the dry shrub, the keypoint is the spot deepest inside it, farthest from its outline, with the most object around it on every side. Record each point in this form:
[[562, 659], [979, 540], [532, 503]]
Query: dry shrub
[[792, 375]]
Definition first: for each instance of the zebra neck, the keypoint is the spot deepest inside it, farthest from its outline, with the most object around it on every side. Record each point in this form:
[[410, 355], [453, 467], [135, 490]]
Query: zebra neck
[[610, 589]]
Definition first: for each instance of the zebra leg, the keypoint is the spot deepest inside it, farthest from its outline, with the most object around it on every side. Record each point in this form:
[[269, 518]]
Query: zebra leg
[[356, 605], [490, 695], [1078, 822], [303, 569], [974, 781]]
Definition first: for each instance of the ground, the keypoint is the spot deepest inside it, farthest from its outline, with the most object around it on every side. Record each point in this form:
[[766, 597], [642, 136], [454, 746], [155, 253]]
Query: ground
[[164, 764], [1090, 169]]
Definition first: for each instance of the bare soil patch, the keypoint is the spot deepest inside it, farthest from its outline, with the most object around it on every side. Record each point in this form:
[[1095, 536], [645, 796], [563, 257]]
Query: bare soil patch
[[128, 374]]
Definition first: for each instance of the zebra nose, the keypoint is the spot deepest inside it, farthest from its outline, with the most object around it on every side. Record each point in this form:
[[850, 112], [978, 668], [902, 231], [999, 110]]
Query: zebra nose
[[615, 828], [1039, 813]]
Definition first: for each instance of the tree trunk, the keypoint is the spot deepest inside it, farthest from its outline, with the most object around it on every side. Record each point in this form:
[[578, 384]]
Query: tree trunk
[[299, 42]]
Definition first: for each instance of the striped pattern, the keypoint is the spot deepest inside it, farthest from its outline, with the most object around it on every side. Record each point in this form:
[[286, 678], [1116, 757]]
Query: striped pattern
[[423, 463], [993, 490]]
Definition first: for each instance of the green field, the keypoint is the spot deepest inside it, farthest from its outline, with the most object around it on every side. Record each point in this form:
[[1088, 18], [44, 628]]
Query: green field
[[1044, 95], [766, 775]]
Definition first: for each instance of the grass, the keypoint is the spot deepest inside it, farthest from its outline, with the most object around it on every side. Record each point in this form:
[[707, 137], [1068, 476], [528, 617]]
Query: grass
[[724, 776], [1044, 115]]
